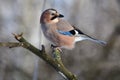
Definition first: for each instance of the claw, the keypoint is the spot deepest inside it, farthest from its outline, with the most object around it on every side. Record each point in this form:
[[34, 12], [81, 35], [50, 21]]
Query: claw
[[56, 48]]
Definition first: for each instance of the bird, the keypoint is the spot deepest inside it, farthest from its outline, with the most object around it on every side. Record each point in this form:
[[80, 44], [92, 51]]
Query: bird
[[60, 32]]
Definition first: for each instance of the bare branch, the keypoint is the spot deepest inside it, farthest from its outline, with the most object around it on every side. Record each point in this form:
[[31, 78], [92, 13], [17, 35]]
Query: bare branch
[[10, 44], [55, 62]]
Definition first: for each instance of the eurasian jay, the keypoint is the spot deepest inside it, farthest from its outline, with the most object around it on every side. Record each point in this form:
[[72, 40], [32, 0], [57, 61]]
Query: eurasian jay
[[60, 33]]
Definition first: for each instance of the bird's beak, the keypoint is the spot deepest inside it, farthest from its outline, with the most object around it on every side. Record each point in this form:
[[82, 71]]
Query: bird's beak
[[60, 16]]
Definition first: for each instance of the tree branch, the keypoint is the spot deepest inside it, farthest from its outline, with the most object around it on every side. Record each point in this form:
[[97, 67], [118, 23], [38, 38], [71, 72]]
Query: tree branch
[[11, 44], [55, 62]]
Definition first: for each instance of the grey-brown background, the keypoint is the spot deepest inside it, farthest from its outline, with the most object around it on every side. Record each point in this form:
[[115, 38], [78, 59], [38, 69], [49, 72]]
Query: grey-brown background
[[88, 60]]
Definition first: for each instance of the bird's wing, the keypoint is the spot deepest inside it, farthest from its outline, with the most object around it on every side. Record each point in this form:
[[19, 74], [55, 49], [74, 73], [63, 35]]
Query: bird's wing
[[79, 36], [63, 25], [73, 32]]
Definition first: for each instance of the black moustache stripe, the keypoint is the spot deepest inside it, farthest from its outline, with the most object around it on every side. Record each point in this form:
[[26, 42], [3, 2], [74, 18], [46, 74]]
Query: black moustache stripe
[[54, 17]]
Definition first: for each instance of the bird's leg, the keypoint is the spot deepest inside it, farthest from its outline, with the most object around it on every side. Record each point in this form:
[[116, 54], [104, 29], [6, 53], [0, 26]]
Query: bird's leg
[[56, 47]]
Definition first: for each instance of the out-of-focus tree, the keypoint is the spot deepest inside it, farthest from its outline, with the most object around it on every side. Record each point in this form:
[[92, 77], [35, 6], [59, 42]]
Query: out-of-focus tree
[[89, 61]]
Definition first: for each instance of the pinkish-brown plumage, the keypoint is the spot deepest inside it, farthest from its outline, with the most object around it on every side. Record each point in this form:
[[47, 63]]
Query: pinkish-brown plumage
[[50, 28], [60, 32]]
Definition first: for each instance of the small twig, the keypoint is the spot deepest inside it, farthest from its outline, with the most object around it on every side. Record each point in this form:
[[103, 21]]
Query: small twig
[[43, 48], [18, 36]]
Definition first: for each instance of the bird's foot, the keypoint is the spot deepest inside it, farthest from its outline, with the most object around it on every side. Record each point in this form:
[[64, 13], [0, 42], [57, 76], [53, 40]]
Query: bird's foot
[[56, 48]]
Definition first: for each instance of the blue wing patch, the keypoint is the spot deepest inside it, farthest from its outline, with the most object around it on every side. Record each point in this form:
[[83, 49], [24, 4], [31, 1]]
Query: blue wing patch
[[65, 32]]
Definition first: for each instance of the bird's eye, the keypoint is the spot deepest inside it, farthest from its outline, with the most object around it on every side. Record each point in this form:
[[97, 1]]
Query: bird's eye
[[52, 14]]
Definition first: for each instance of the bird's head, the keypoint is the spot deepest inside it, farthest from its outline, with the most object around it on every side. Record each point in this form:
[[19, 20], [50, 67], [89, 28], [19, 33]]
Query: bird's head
[[50, 16]]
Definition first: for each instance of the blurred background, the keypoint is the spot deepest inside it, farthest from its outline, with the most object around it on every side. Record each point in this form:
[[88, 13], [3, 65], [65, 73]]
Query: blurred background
[[88, 61]]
